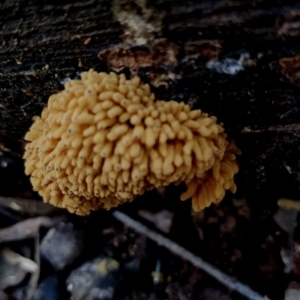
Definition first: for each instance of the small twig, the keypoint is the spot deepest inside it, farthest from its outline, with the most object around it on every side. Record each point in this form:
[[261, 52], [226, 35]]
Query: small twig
[[14, 258], [7, 150], [27, 206], [26, 229], [228, 281], [289, 128], [33, 282]]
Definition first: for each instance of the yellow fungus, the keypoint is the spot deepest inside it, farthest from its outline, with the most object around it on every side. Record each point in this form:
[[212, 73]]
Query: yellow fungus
[[104, 140]]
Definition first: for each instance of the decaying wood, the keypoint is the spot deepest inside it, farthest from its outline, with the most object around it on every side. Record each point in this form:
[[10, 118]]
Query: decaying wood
[[168, 43]]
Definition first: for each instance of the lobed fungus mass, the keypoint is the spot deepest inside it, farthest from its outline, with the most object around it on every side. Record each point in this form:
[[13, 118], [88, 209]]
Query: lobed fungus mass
[[103, 140]]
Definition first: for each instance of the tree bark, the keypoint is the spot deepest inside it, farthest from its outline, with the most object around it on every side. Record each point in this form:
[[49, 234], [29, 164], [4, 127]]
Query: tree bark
[[182, 48]]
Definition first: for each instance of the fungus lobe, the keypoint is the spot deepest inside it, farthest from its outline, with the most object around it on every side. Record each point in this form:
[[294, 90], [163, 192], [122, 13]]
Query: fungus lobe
[[103, 140]]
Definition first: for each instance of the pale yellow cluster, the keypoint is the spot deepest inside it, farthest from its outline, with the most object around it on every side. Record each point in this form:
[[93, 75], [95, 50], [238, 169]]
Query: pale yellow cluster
[[211, 188], [104, 140]]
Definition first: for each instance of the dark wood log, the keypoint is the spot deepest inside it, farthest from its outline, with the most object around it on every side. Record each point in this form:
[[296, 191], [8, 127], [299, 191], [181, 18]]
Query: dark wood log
[[168, 43]]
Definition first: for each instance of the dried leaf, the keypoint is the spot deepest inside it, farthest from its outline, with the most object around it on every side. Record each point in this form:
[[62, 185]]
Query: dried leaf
[[291, 68], [289, 204], [286, 220], [289, 25]]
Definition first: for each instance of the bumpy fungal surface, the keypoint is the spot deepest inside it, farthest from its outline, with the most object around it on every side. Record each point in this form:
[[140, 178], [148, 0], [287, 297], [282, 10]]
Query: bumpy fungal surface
[[103, 140]]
